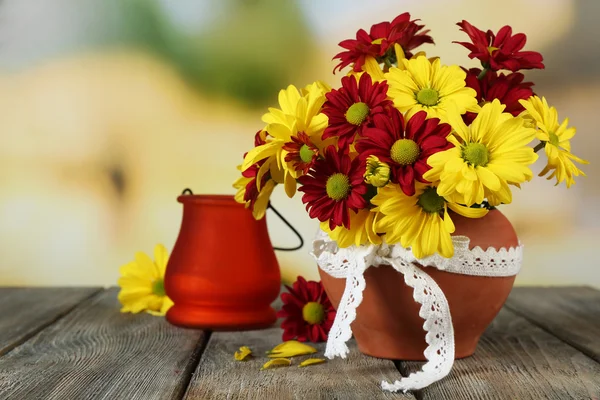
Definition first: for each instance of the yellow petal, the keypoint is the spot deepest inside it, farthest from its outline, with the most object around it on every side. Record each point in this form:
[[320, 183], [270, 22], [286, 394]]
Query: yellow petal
[[260, 207], [266, 167], [243, 354], [401, 56], [261, 152], [291, 348], [311, 361], [289, 184], [136, 306], [420, 69], [486, 120], [288, 98], [161, 257], [167, 303], [142, 267], [468, 212], [372, 68], [488, 179], [456, 122], [278, 362]]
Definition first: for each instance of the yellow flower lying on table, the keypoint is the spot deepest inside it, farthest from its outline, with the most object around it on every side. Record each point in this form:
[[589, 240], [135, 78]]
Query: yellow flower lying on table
[[142, 283]]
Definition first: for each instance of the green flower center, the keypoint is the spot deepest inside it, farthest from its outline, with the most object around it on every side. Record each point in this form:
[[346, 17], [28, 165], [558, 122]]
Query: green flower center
[[553, 139], [428, 97], [405, 151], [476, 154], [306, 153], [158, 288], [338, 186], [357, 113], [313, 313], [430, 201]]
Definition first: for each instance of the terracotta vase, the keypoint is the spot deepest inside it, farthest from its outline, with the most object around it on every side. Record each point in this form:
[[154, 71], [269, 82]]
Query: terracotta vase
[[387, 322], [222, 272]]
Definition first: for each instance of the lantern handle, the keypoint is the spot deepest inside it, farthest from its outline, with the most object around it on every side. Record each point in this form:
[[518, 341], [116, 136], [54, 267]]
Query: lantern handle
[[187, 191], [285, 221]]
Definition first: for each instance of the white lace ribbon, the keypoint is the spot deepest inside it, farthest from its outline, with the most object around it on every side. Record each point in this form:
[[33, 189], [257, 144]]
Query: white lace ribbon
[[351, 263]]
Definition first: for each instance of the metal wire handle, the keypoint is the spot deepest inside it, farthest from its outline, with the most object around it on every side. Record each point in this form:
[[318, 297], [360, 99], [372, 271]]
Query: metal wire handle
[[285, 221]]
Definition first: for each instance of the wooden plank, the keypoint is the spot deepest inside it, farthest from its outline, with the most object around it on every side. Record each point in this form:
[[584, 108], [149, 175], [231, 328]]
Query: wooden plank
[[96, 352], [219, 376], [570, 313], [26, 311], [517, 360]]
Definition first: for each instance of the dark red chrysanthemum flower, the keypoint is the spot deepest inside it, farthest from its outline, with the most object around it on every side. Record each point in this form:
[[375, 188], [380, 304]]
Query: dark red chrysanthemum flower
[[509, 89], [353, 106], [301, 152], [405, 148], [334, 186], [307, 311], [500, 51], [379, 42]]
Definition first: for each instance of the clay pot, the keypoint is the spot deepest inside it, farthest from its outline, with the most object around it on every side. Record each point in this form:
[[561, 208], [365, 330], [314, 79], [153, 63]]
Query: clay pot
[[222, 273], [387, 321]]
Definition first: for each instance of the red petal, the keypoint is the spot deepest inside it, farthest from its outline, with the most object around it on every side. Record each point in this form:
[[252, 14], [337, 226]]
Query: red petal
[[407, 180]]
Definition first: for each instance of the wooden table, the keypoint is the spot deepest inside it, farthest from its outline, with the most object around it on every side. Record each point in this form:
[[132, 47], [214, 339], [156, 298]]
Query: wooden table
[[72, 343]]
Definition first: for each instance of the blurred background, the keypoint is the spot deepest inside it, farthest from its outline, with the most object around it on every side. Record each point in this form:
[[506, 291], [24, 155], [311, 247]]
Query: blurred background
[[109, 108]]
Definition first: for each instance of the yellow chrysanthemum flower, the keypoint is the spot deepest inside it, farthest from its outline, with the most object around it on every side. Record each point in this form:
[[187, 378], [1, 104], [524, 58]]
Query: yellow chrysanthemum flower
[[362, 230], [555, 138], [420, 221], [427, 85], [297, 120], [142, 283], [377, 173], [488, 155]]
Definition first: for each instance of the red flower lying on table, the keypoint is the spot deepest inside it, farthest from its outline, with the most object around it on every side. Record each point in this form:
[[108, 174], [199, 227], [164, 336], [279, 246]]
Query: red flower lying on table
[[307, 311]]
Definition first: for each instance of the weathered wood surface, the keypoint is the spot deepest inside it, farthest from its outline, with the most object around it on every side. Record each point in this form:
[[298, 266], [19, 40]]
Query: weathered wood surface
[[517, 360], [219, 376], [95, 352], [570, 313], [26, 311], [74, 344]]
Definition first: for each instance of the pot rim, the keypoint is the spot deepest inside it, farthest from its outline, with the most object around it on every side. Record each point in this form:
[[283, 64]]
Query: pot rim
[[213, 199]]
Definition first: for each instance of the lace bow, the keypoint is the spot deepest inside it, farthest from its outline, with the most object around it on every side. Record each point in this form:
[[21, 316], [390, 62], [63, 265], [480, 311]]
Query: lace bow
[[350, 263]]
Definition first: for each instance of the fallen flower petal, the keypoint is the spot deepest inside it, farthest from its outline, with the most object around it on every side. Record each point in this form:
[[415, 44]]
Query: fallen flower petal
[[291, 348], [243, 354], [311, 361], [278, 362]]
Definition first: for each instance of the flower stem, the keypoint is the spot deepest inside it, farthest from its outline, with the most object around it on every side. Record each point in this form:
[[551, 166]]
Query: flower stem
[[388, 64], [482, 73], [539, 146]]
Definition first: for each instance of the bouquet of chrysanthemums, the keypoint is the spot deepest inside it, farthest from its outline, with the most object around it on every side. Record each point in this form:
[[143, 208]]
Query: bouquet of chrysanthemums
[[406, 141]]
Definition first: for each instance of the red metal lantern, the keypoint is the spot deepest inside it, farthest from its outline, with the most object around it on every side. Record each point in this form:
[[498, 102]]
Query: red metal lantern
[[222, 272]]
